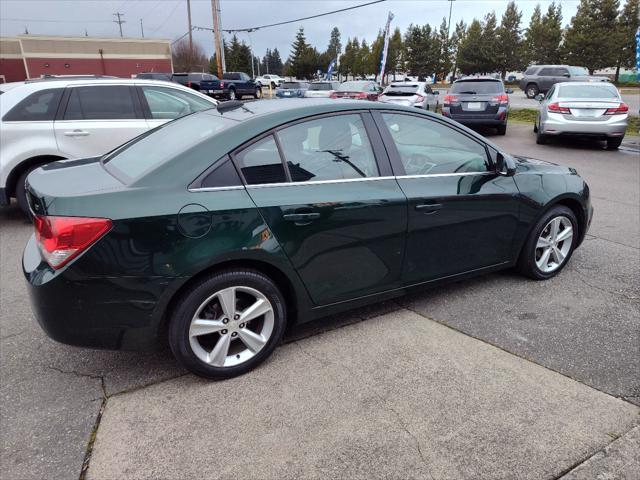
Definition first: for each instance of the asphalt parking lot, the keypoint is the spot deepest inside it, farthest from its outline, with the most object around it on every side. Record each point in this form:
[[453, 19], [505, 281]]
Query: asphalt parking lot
[[496, 377]]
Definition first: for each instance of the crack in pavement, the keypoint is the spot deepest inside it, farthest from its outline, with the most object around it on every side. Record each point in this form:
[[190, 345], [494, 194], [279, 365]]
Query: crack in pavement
[[400, 421], [581, 277], [12, 335]]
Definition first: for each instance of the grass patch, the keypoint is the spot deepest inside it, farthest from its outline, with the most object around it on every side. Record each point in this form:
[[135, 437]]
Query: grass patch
[[528, 116]]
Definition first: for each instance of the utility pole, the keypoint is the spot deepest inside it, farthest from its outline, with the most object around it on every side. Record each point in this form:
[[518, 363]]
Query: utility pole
[[446, 50], [217, 35], [119, 21], [141, 28], [190, 29]]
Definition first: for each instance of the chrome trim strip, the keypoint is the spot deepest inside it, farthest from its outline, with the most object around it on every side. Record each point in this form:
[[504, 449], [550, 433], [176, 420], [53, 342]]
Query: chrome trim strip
[[216, 189], [319, 182], [461, 174]]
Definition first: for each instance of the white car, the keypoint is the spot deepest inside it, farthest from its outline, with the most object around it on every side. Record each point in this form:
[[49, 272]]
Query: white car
[[411, 94], [53, 119], [269, 80], [321, 89]]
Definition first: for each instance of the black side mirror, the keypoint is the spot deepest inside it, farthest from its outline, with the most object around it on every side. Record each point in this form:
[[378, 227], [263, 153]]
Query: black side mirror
[[539, 97], [505, 165], [566, 74], [509, 90]]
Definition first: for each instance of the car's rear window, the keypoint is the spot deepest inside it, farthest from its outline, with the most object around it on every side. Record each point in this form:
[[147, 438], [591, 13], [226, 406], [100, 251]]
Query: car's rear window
[[291, 85], [321, 86], [402, 90], [160, 145], [353, 86], [588, 91], [477, 87]]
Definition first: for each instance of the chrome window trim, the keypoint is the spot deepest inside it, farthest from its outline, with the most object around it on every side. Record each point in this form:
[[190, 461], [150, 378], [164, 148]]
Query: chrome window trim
[[342, 180]]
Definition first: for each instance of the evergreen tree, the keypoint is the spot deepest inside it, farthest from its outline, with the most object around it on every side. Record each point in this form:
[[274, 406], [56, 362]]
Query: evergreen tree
[[543, 37], [508, 39], [361, 66], [456, 39], [470, 57], [588, 40], [488, 46], [297, 62], [275, 63], [421, 57], [237, 56], [444, 48], [335, 47], [627, 28], [348, 59], [395, 54], [534, 38]]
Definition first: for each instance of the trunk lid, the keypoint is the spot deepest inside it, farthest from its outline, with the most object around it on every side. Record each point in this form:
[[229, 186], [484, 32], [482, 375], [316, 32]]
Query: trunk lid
[[55, 188], [476, 103], [589, 110]]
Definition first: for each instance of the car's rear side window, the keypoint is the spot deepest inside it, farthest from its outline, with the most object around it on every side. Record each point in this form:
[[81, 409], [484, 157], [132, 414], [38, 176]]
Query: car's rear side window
[[168, 103], [531, 70], [223, 174], [104, 102], [39, 106], [329, 148], [179, 140], [260, 163]]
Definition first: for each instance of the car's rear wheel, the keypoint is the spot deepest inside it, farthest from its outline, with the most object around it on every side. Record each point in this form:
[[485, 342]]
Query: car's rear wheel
[[273, 85], [21, 193], [227, 324], [550, 244], [232, 94], [258, 93], [613, 143], [541, 138], [532, 90]]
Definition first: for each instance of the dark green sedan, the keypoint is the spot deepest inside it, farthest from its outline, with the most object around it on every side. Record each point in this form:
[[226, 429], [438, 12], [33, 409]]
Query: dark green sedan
[[218, 230]]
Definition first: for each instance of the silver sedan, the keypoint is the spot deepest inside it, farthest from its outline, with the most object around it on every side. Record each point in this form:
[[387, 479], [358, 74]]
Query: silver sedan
[[410, 94], [582, 109]]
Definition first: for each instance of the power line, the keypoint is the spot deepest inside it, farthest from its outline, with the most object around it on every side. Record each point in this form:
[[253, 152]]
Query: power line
[[168, 17], [119, 21]]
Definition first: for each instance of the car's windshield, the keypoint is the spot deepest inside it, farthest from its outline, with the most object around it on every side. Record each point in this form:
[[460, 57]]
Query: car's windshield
[[353, 86], [588, 91], [477, 87], [402, 90], [152, 149], [580, 71], [320, 86], [291, 85]]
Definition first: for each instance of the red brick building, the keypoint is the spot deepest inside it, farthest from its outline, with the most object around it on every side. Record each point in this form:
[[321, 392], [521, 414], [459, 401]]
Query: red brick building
[[31, 56]]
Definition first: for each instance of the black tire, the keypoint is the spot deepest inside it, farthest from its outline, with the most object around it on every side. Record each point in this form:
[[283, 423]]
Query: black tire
[[502, 130], [21, 194], [541, 138], [535, 127], [273, 85], [189, 304], [232, 94], [614, 143], [258, 93], [526, 262], [531, 90]]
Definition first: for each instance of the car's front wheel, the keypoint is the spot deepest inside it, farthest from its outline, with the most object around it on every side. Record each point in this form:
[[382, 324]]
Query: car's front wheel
[[532, 90], [258, 93], [227, 324], [550, 244]]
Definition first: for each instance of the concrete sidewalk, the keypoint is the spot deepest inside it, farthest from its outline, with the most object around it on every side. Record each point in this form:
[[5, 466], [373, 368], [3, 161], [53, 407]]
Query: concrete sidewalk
[[397, 396]]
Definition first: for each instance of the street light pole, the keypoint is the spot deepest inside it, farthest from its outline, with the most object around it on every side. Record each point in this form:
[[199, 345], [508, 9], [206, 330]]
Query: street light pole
[[449, 32]]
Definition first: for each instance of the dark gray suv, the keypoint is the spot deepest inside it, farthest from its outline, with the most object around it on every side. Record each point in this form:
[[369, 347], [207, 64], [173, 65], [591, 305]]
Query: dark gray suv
[[540, 78]]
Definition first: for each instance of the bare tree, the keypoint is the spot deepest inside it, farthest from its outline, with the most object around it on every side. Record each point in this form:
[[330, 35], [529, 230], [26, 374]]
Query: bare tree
[[189, 60]]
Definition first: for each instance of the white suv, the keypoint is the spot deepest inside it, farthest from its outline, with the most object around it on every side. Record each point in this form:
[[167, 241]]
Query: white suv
[[54, 119], [267, 80]]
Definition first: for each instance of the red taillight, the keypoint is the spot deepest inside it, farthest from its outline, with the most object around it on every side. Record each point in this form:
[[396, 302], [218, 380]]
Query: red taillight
[[333, 95], [620, 109], [419, 99], [221, 84], [556, 108], [61, 239], [189, 84], [361, 95], [450, 99], [504, 98]]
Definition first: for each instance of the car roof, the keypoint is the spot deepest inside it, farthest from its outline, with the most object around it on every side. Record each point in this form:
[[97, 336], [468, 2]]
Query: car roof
[[586, 84], [481, 78]]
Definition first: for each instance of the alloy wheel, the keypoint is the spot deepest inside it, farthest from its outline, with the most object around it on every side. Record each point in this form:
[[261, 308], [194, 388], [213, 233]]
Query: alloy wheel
[[554, 244], [231, 326], [232, 94]]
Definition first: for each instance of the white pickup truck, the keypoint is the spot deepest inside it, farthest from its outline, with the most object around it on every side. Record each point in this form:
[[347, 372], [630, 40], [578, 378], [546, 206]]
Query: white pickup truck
[[269, 80]]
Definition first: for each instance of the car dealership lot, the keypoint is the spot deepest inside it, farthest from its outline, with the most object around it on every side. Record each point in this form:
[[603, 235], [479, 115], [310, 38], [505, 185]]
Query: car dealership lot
[[398, 395]]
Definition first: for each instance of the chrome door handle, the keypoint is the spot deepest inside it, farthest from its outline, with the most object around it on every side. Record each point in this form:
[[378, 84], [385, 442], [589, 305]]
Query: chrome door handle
[[301, 217], [76, 133], [429, 208]]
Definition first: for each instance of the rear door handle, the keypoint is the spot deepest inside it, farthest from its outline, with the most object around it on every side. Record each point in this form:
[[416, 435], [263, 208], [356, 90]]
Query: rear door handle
[[76, 133], [429, 208], [301, 217]]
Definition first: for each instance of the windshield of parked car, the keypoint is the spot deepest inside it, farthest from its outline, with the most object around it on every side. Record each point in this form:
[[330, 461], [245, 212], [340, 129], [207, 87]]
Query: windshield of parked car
[[477, 87], [320, 86], [402, 90], [150, 150], [291, 85], [353, 86], [588, 91], [579, 71]]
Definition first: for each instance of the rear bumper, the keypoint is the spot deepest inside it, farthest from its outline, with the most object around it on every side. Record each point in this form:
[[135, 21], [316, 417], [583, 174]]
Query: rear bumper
[[492, 119], [4, 197], [612, 127], [107, 313]]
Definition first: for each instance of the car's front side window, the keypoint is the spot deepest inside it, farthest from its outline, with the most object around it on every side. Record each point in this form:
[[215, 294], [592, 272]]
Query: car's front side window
[[169, 103], [105, 102], [329, 148], [427, 147]]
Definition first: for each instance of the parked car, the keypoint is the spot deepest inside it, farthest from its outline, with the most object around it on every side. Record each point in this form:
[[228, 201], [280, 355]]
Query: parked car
[[593, 110], [321, 89], [54, 119], [154, 76], [411, 94], [358, 89], [218, 230], [292, 89], [478, 101], [540, 78], [238, 84], [269, 80], [196, 81]]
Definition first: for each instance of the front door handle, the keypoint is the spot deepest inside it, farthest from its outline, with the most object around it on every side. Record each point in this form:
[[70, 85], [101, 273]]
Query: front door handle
[[76, 133], [301, 217], [429, 208]]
